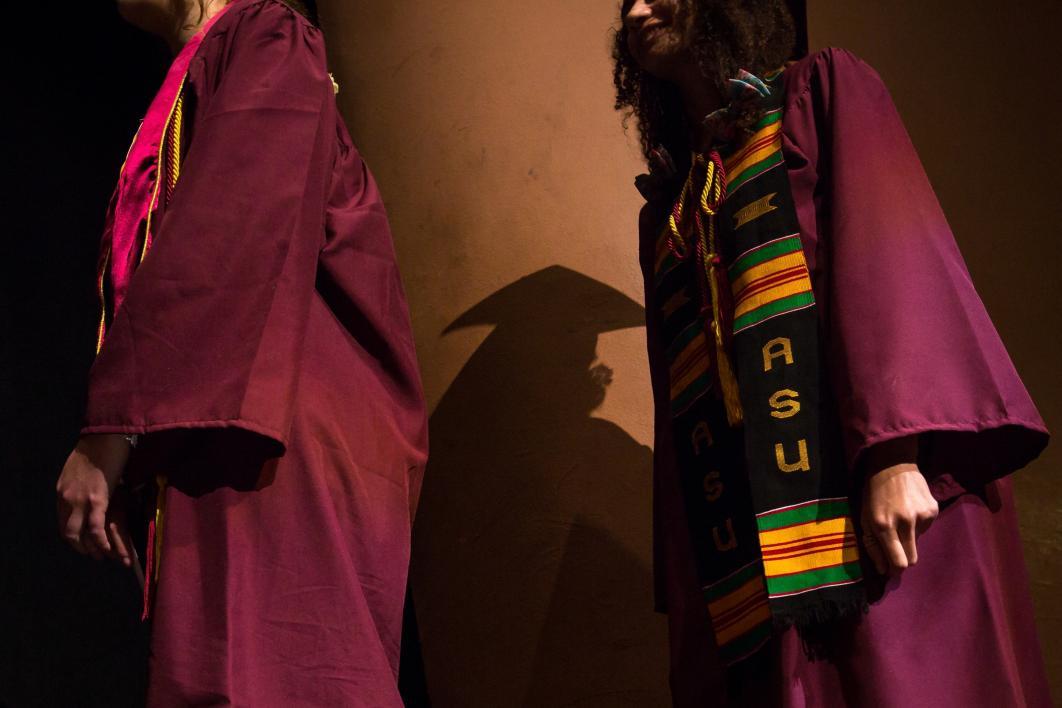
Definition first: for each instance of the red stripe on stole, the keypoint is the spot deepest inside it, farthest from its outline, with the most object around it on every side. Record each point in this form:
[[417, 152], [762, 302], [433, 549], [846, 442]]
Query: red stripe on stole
[[691, 359], [751, 148], [733, 616], [789, 274], [833, 546], [784, 545], [741, 608], [770, 286]]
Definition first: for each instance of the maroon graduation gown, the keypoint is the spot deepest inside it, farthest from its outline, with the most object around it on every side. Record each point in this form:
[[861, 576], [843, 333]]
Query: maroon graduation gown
[[265, 350], [910, 350]]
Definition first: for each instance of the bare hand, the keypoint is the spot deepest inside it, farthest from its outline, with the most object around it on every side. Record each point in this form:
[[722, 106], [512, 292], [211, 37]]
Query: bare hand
[[84, 494], [897, 507]]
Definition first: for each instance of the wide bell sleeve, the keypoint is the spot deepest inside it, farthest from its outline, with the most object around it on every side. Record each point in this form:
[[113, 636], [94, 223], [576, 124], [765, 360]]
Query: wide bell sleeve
[[209, 336], [910, 347]]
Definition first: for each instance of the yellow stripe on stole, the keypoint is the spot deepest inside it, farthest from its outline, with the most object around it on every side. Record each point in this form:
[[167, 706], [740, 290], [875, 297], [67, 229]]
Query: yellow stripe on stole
[[802, 285], [753, 618], [762, 133], [742, 161], [767, 268], [727, 602], [687, 354], [811, 561], [789, 534]]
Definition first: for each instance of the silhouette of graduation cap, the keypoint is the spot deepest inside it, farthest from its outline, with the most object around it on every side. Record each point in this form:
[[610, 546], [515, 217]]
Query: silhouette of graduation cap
[[555, 298]]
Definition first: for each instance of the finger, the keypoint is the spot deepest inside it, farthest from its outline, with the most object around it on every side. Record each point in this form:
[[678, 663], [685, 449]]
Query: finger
[[72, 529], [95, 533], [906, 533], [926, 520], [88, 541], [874, 552], [62, 512], [119, 549], [892, 549]]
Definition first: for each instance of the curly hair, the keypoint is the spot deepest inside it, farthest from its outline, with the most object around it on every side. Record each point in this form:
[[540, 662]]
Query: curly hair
[[725, 36]]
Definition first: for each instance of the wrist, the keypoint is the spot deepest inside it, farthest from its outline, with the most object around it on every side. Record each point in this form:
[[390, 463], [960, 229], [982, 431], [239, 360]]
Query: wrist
[[898, 454], [892, 471], [106, 451]]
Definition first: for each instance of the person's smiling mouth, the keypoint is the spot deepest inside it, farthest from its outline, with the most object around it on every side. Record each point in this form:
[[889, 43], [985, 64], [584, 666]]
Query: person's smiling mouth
[[651, 30]]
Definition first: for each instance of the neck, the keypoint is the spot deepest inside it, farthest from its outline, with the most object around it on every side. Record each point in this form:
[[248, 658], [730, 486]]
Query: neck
[[190, 20], [699, 98]]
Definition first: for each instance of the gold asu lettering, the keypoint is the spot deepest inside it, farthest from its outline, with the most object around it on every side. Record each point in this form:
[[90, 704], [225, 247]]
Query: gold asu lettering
[[800, 465], [784, 403], [779, 347], [731, 543], [713, 486], [701, 434]]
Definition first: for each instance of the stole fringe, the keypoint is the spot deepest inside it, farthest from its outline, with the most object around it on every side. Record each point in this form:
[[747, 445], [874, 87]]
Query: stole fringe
[[816, 624]]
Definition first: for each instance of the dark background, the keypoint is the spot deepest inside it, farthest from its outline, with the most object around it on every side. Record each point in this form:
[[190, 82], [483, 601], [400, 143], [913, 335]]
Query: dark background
[[69, 627]]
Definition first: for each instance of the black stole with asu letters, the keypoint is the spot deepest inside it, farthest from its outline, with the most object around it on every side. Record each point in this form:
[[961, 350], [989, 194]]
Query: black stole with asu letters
[[766, 498]]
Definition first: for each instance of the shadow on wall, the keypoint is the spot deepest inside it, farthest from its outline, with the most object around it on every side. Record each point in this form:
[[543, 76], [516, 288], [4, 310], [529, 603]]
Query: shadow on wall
[[530, 562]]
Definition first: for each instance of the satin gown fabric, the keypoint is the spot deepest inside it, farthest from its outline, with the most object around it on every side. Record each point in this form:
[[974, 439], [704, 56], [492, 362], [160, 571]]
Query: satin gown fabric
[[265, 355], [910, 350]]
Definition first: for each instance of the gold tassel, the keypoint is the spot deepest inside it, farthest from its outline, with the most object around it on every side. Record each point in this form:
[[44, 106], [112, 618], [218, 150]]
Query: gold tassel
[[727, 380], [710, 199], [160, 520]]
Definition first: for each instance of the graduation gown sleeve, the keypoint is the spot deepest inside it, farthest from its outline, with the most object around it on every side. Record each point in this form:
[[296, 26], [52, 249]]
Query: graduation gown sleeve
[[911, 349], [210, 333]]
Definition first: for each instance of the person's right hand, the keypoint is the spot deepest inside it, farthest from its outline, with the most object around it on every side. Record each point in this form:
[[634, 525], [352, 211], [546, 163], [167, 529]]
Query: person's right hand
[[897, 505], [84, 491]]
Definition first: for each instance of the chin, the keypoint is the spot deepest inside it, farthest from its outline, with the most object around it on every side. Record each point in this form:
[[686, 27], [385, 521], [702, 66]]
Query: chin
[[661, 65]]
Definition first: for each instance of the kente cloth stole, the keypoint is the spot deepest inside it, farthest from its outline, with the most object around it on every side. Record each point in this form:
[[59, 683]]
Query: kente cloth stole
[[764, 485]]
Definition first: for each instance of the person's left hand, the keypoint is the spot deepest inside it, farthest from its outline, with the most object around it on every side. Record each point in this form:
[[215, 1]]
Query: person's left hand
[[84, 491], [897, 507]]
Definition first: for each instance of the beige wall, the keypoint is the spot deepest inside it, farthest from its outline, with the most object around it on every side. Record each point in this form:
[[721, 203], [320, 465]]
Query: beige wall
[[489, 127]]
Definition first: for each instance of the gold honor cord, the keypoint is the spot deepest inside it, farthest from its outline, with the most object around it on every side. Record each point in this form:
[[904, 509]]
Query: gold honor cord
[[171, 144], [170, 148], [710, 263], [102, 292], [107, 257], [167, 167]]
